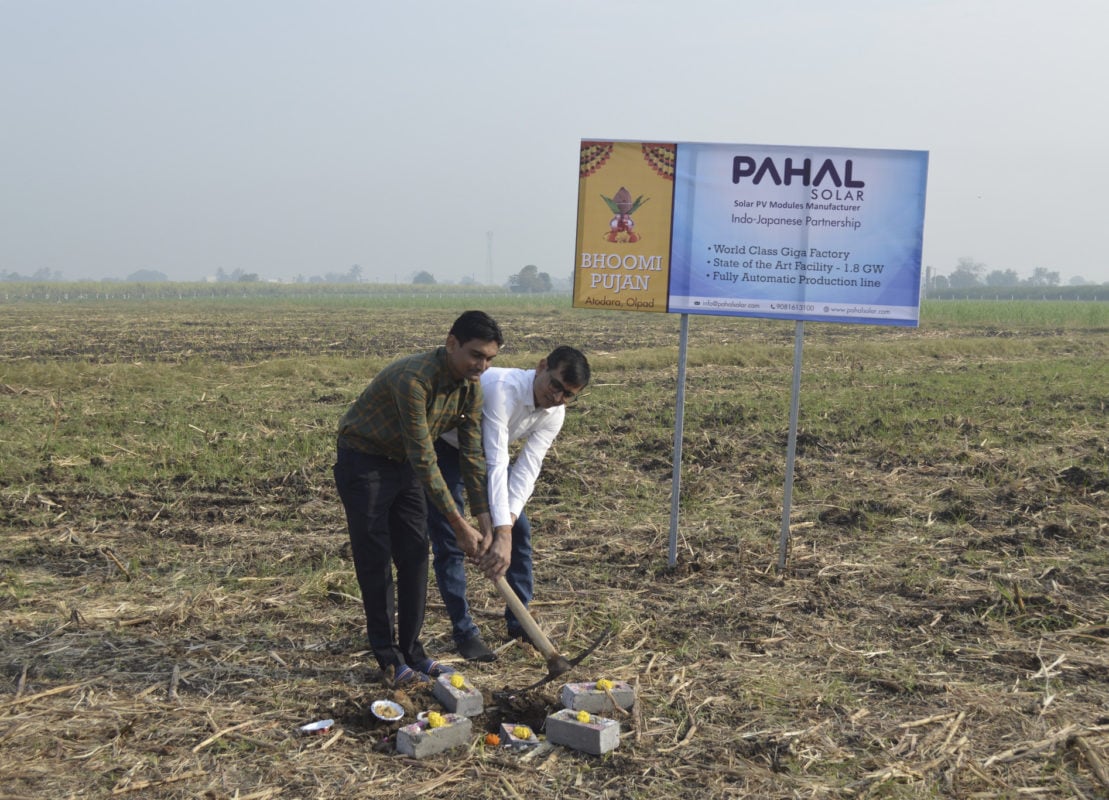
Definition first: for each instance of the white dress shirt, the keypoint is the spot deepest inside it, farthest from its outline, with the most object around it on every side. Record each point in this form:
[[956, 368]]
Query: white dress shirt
[[508, 415]]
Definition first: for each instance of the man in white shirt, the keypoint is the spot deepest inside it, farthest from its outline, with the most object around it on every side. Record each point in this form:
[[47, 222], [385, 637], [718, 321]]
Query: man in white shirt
[[519, 404]]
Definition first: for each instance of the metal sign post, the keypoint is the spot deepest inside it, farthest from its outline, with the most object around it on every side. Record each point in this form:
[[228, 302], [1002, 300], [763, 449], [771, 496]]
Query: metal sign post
[[679, 426], [791, 447]]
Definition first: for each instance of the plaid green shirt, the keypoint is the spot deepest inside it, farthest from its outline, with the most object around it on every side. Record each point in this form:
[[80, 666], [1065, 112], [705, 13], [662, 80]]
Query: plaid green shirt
[[404, 410]]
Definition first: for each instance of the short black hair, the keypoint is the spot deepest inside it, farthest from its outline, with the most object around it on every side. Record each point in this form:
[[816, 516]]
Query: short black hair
[[476, 325], [575, 366]]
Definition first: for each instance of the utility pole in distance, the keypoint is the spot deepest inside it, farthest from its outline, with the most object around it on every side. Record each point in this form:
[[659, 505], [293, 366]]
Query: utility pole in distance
[[489, 254]]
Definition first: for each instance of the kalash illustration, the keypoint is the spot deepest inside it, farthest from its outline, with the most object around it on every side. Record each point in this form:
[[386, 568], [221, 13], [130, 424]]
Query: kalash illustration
[[622, 226]]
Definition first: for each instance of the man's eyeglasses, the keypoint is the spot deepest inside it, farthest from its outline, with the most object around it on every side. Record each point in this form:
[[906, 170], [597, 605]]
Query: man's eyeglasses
[[558, 388]]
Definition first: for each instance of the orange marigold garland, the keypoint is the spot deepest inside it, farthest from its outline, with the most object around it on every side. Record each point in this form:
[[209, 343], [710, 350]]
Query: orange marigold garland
[[661, 157], [593, 157]]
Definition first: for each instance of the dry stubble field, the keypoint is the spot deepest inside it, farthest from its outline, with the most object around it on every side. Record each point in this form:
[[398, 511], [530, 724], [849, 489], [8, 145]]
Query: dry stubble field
[[176, 595]]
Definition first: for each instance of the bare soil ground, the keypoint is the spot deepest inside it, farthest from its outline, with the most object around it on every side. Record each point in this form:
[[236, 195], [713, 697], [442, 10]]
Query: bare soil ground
[[941, 627]]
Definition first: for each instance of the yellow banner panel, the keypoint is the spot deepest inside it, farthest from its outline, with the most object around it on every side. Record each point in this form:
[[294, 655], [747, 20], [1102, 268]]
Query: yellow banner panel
[[625, 203]]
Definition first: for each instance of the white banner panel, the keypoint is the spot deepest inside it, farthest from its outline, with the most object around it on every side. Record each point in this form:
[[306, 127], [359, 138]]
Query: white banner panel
[[802, 233]]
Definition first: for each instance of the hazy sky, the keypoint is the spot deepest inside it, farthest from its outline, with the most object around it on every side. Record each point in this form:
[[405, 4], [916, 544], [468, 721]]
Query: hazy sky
[[299, 138]]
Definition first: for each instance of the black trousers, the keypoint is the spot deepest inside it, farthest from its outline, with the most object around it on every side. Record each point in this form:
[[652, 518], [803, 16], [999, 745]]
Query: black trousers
[[387, 520]]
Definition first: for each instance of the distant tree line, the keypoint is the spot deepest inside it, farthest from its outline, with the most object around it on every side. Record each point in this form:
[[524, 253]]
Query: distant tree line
[[352, 275], [530, 280], [41, 275], [971, 274], [235, 276], [973, 279]]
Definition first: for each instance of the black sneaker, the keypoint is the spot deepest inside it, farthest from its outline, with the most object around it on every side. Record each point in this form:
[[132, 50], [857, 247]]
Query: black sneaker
[[474, 649]]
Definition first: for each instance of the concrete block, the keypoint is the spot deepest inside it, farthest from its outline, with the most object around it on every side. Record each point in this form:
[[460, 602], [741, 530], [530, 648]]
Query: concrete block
[[466, 700], [509, 736], [598, 736], [419, 740], [587, 697]]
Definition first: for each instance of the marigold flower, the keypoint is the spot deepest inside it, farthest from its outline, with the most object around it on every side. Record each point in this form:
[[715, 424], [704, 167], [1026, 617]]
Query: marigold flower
[[583, 716]]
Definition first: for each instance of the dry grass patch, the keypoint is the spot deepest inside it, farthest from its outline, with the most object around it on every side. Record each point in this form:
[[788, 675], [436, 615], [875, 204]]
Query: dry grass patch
[[168, 619]]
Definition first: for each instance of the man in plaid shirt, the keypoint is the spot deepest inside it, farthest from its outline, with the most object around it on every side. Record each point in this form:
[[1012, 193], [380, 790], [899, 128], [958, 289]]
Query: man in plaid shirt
[[385, 463]]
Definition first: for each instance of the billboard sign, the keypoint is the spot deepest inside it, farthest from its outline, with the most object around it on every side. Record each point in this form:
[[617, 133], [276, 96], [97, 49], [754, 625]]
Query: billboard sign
[[801, 233]]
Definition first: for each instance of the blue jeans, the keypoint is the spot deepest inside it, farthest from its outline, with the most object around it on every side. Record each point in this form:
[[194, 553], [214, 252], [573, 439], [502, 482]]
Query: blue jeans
[[386, 511], [449, 561]]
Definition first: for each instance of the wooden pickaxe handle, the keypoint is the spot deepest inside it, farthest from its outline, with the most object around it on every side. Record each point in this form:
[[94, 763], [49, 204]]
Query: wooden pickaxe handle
[[527, 622]]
